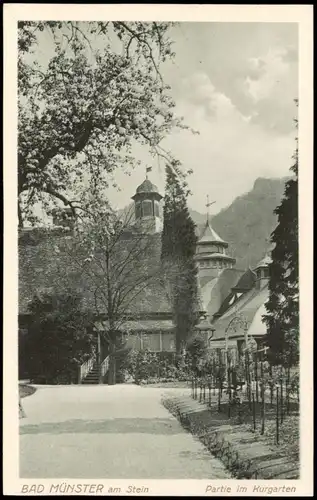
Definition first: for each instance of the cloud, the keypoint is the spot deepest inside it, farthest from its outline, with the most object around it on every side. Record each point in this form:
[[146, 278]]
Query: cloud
[[274, 70], [252, 64], [232, 149]]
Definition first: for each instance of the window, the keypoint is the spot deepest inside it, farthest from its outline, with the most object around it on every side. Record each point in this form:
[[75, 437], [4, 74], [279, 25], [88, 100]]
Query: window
[[151, 341], [147, 208], [134, 341], [168, 341], [138, 210]]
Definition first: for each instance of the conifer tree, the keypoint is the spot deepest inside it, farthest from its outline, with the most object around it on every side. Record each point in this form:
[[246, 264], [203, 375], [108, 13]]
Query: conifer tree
[[178, 250], [282, 316]]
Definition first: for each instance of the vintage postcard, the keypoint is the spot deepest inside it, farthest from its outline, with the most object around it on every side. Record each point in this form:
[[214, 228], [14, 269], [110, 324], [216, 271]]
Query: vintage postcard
[[158, 250]]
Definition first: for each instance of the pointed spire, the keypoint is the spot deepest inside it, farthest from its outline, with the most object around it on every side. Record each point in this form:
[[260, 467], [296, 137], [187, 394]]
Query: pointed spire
[[208, 204], [209, 235]]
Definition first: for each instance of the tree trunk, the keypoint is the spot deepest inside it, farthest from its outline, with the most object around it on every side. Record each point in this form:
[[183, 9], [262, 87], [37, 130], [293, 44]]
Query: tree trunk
[[20, 216], [112, 366]]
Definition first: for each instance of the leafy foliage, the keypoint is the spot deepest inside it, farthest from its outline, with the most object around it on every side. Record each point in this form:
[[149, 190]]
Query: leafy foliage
[[59, 340], [282, 316], [145, 366], [81, 111], [178, 251]]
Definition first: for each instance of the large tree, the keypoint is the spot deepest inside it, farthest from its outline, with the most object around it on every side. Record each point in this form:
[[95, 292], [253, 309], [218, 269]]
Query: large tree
[[178, 250], [115, 265], [282, 317], [87, 92]]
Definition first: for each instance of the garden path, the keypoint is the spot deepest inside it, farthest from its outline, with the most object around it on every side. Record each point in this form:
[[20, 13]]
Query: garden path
[[120, 432]]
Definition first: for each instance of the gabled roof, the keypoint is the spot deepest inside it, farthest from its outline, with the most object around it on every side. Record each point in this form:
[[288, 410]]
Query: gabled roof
[[250, 307], [209, 235]]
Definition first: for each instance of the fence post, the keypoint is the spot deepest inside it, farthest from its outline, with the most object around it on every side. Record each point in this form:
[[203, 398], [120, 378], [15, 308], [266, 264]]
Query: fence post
[[256, 376], [287, 399], [263, 398], [248, 378], [209, 393], [219, 396], [277, 416], [229, 403], [282, 416], [214, 375], [253, 412]]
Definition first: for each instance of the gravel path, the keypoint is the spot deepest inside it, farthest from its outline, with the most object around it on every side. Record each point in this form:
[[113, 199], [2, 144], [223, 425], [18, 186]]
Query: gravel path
[[120, 432]]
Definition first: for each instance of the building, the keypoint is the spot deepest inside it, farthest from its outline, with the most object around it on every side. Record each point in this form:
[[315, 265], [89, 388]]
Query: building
[[224, 291], [233, 299]]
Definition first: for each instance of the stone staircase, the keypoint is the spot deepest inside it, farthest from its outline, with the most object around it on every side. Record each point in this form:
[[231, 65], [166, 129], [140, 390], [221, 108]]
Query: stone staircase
[[92, 376], [89, 371]]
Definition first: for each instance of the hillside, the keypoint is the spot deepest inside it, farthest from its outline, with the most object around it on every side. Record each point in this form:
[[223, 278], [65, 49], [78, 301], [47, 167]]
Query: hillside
[[248, 222]]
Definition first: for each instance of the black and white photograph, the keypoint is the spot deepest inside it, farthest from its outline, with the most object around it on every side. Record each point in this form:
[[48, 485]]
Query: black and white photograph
[[158, 324]]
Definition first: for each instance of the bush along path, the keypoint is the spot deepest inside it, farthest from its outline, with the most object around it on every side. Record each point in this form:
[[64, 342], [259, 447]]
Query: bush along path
[[245, 452]]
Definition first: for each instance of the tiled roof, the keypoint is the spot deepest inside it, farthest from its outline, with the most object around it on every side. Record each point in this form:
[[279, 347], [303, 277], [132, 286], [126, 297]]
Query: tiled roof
[[213, 255], [147, 187], [41, 268], [215, 290], [246, 282], [209, 235], [143, 325]]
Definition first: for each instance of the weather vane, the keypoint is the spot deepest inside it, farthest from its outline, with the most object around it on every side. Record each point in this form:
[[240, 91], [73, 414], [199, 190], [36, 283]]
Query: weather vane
[[208, 204]]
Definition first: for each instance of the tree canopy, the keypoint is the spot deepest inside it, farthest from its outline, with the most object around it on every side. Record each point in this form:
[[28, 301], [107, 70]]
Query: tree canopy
[[60, 338], [82, 109], [178, 250], [282, 316]]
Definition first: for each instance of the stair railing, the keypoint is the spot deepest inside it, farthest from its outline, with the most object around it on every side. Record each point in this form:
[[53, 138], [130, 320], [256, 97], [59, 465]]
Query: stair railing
[[86, 367], [104, 367]]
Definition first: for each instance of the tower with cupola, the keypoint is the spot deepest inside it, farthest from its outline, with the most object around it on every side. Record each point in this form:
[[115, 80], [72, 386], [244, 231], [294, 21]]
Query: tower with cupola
[[211, 253], [147, 207]]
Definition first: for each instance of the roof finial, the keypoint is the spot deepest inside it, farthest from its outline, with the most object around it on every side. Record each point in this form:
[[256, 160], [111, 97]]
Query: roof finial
[[208, 204]]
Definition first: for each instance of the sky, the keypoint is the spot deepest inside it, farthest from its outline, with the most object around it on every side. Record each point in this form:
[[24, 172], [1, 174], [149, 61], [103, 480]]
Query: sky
[[235, 83]]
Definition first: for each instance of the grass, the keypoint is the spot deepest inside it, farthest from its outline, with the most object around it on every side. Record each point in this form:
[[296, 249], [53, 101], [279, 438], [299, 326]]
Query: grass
[[174, 384]]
